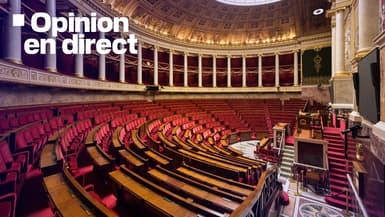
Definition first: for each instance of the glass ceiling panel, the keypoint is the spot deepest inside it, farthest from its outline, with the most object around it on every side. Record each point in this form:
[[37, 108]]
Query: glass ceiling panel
[[247, 2]]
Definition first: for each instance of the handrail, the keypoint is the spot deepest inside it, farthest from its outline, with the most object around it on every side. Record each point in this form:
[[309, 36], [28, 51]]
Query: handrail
[[247, 206], [357, 197]]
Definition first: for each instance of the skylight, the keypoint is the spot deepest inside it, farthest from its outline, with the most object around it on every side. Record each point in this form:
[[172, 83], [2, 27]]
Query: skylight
[[247, 2]]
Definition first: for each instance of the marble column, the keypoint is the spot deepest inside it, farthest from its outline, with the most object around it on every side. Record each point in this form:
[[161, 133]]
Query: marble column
[[156, 70], [185, 74], [140, 62], [260, 70], [367, 25], [295, 68], [340, 42], [200, 70], [122, 67], [276, 69], [12, 50], [342, 81], [79, 58], [50, 59], [228, 71], [214, 71], [171, 68], [244, 84], [333, 46], [102, 61]]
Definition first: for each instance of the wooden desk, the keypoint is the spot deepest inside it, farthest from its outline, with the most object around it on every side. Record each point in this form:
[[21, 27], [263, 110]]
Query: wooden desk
[[158, 201], [69, 201], [215, 182], [100, 161], [165, 140], [157, 158], [131, 159], [137, 142], [214, 162], [194, 192], [50, 159], [115, 138]]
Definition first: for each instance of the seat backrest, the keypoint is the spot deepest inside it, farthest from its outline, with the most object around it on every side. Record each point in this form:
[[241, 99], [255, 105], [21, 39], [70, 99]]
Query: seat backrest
[[3, 166], [5, 152], [20, 140]]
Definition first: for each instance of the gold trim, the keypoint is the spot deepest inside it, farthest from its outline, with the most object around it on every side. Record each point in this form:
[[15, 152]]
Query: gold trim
[[342, 75], [50, 69], [362, 53], [13, 60]]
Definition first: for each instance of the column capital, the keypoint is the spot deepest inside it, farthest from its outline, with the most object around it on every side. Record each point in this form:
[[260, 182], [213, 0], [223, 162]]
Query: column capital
[[260, 55], [276, 53], [244, 55], [200, 55], [214, 55], [185, 53], [228, 56], [171, 51]]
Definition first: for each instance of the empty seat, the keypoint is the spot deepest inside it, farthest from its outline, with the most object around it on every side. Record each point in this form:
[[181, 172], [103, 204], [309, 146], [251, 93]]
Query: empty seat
[[9, 157]]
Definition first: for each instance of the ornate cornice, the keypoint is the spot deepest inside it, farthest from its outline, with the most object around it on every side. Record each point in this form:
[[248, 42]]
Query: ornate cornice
[[10, 72]]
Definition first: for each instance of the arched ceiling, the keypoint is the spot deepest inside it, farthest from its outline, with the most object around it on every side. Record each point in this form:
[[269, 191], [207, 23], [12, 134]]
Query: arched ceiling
[[212, 22]]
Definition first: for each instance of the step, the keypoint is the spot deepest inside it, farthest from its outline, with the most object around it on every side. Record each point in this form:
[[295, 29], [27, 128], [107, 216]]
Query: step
[[287, 158], [287, 164], [286, 169], [285, 174], [337, 149], [338, 182], [337, 175], [340, 171], [336, 154], [336, 202]]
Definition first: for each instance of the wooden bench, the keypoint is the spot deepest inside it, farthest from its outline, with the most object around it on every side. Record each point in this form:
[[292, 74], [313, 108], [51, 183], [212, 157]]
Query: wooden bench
[[134, 162], [153, 200], [101, 161], [220, 182], [70, 199], [139, 144], [202, 196], [51, 159]]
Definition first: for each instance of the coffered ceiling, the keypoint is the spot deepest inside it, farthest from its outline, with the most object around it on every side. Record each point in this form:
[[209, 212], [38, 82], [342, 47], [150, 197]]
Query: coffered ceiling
[[212, 22]]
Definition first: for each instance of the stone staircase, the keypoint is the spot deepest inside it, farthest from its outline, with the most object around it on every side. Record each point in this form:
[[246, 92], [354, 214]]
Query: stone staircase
[[287, 161]]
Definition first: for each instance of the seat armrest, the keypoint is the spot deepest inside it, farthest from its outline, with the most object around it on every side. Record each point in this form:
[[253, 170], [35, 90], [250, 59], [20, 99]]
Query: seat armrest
[[30, 150], [89, 187], [9, 184], [11, 197]]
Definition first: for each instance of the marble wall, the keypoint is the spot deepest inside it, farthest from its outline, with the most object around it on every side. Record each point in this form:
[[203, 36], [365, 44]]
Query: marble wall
[[12, 95], [382, 89]]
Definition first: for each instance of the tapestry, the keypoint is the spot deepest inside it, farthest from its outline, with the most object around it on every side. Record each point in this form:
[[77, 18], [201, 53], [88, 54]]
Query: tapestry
[[316, 66]]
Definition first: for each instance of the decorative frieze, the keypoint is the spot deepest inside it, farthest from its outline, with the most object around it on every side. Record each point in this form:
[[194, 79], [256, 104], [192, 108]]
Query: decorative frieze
[[22, 74]]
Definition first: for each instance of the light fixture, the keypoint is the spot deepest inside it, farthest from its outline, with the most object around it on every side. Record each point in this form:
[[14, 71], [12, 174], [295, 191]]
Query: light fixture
[[318, 11]]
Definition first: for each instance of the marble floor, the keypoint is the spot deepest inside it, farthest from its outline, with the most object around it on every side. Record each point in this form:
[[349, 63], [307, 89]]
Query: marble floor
[[302, 204]]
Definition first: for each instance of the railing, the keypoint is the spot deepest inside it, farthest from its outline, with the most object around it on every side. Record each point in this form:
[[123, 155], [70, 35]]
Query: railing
[[359, 209], [259, 202]]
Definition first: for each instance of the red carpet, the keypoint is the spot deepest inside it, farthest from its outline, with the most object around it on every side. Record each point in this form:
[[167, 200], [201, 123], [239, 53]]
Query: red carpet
[[338, 168]]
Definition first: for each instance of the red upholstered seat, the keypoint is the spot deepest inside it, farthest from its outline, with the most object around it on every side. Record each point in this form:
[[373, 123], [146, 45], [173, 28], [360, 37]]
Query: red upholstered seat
[[5, 208], [7, 205], [9, 158], [284, 198]]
